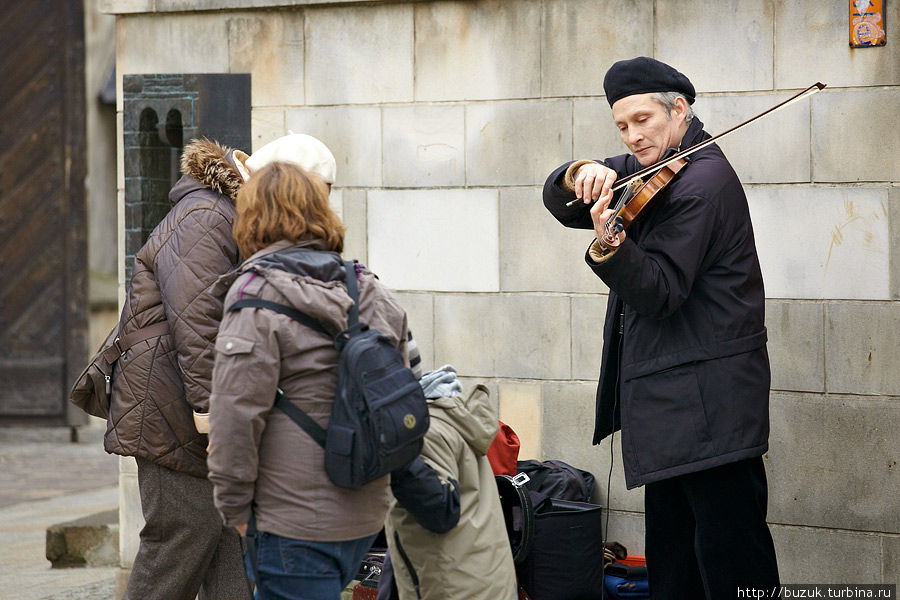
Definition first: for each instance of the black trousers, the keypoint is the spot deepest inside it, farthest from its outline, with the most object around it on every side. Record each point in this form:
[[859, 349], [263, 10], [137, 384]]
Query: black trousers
[[706, 533]]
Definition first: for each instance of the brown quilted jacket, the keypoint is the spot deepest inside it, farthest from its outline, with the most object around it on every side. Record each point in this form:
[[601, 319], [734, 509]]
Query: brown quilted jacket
[[158, 383]]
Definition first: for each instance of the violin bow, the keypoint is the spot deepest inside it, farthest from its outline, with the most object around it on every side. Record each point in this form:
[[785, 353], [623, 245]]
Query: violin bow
[[814, 88]]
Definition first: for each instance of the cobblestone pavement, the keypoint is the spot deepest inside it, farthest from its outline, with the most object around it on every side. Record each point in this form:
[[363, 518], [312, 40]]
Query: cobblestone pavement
[[100, 589], [32, 469], [45, 480]]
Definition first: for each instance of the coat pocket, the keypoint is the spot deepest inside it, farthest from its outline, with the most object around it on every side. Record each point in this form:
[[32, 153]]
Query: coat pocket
[[666, 418], [230, 345]]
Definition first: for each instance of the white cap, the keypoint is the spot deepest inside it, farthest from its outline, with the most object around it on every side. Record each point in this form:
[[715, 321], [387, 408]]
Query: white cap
[[303, 150]]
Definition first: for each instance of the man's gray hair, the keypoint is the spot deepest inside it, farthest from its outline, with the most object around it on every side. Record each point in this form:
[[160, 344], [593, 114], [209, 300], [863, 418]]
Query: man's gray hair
[[667, 99]]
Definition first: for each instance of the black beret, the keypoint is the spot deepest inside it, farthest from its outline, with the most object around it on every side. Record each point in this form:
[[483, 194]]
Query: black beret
[[642, 75]]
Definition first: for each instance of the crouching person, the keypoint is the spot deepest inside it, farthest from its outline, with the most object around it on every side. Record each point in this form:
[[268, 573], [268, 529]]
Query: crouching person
[[312, 534], [445, 530]]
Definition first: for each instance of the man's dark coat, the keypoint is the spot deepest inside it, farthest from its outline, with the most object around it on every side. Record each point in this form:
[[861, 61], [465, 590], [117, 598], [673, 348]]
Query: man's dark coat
[[684, 338]]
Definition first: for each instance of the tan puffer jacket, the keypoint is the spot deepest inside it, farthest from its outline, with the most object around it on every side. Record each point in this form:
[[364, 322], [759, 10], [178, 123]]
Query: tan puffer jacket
[[257, 453], [158, 383]]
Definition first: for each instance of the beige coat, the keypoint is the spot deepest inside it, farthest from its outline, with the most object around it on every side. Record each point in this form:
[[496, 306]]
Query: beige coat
[[159, 382], [259, 455], [473, 561]]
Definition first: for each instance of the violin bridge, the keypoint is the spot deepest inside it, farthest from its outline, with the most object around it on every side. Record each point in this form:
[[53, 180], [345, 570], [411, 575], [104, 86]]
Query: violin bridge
[[633, 187]]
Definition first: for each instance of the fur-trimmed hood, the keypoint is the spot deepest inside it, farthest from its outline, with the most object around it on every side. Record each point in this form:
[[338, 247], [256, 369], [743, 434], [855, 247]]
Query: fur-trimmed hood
[[212, 166]]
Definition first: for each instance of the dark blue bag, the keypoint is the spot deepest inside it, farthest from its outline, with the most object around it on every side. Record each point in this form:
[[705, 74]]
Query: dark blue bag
[[379, 417], [623, 581]]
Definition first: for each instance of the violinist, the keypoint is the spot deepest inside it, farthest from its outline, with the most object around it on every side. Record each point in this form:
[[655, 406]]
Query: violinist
[[684, 368]]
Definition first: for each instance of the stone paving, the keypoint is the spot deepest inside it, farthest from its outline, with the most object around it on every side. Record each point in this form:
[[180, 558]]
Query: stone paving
[[45, 479], [32, 469]]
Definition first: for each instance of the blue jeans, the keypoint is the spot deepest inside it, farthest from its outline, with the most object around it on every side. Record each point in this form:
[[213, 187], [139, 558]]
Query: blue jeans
[[292, 569]]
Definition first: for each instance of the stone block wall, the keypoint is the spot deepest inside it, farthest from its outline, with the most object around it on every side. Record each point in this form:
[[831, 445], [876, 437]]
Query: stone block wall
[[446, 116], [100, 181], [148, 169]]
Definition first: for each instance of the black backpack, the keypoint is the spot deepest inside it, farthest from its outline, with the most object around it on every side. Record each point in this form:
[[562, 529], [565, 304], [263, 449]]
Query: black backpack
[[379, 417]]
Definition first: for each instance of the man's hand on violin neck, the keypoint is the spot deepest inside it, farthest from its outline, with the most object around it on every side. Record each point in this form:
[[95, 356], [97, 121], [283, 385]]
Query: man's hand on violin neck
[[600, 215], [593, 183]]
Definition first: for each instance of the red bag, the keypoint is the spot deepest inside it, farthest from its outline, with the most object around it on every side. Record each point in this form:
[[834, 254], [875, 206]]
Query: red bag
[[362, 592], [504, 451]]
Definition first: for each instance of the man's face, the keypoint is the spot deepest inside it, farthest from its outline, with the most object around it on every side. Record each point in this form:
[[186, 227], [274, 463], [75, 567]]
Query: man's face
[[646, 128]]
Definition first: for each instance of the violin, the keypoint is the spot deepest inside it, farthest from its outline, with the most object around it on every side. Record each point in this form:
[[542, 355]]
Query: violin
[[637, 197], [639, 194]]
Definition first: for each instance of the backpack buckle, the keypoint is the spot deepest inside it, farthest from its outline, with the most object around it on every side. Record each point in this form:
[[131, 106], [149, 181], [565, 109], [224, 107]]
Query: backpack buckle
[[118, 346]]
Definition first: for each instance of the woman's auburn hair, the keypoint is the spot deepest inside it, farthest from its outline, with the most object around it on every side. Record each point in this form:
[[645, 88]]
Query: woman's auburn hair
[[281, 201]]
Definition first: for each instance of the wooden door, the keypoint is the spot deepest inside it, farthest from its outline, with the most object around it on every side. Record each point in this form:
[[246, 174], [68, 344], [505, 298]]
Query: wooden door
[[42, 208]]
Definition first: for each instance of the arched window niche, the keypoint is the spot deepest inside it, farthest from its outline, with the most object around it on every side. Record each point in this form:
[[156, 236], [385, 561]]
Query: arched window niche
[[162, 113]]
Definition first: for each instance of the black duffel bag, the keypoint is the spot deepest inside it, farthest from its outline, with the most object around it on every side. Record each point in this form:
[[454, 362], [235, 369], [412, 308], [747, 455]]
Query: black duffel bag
[[557, 544], [557, 479]]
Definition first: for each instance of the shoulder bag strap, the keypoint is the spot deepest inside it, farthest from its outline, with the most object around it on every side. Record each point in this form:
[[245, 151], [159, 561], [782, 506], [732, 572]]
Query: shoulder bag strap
[[518, 483], [409, 566], [121, 345], [251, 538]]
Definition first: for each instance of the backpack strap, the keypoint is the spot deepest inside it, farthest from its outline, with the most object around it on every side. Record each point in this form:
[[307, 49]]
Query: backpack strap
[[289, 311], [354, 327], [299, 416], [353, 290], [296, 414]]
